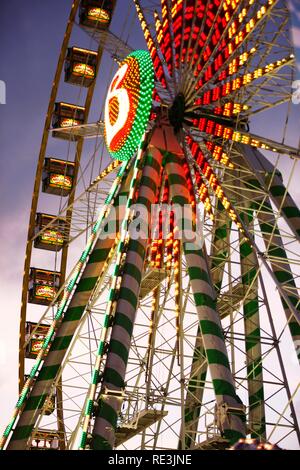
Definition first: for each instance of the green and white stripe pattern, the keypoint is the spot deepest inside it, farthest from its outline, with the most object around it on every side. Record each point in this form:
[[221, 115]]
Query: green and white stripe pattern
[[280, 266], [268, 179], [218, 257], [76, 297], [127, 304], [284, 202], [219, 254], [233, 424], [195, 392], [249, 271], [111, 301]]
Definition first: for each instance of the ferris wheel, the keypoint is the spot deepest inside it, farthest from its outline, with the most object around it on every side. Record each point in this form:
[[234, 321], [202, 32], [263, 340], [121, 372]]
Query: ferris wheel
[[175, 328]]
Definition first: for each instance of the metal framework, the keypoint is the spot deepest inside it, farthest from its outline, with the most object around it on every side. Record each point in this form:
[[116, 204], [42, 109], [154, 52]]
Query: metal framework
[[160, 343]]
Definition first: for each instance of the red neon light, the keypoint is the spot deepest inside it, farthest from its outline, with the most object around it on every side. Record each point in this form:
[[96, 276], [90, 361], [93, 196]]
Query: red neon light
[[158, 68], [220, 22], [177, 21]]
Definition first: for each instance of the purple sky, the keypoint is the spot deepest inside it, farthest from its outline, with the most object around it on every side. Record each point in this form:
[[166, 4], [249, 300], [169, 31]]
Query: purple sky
[[31, 33]]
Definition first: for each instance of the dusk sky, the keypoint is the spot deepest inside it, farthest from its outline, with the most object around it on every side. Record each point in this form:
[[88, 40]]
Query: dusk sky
[[31, 34]]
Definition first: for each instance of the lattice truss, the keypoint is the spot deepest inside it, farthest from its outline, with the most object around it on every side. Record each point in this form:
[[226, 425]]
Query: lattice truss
[[217, 65]]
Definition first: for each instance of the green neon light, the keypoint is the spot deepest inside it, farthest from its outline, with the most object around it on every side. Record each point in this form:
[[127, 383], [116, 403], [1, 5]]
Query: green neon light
[[23, 394], [143, 108]]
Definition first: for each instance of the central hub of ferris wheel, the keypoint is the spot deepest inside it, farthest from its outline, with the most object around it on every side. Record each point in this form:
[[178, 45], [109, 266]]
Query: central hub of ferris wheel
[[177, 112]]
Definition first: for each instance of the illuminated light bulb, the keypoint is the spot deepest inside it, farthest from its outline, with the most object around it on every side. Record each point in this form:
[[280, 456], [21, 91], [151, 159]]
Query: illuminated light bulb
[[132, 87]]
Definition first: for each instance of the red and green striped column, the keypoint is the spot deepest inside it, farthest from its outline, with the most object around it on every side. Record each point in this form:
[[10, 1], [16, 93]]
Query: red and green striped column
[[218, 257], [280, 265], [127, 303], [83, 286], [233, 424], [249, 271], [284, 202]]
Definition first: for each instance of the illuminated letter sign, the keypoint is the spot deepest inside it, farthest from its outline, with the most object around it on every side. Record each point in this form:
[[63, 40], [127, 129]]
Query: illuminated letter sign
[[128, 105]]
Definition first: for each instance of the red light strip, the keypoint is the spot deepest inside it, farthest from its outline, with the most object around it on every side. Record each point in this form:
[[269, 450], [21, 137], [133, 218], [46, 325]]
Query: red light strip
[[166, 46], [154, 245], [228, 109], [218, 154], [170, 242], [157, 246], [236, 64], [208, 173], [189, 15], [205, 48], [243, 81], [153, 252], [159, 253], [159, 31], [171, 235], [157, 64], [237, 37], [202, 188], [197, 34], [177, 23], [162, 220], [209, 126], [203, 193], [156, 96], [190, 187], [156, 250]]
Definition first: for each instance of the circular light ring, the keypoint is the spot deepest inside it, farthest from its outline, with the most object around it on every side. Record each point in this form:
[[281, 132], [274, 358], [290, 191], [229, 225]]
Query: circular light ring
[[128, 105]]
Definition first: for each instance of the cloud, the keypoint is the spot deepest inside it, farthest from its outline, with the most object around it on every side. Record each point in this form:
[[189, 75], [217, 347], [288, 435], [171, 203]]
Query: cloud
[[13, 240], [296, 36], [294, 10]]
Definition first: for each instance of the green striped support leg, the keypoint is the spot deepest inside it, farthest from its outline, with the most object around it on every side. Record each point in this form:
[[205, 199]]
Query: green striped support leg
[[71, 319], [249, 271], [195, 392], [280, 266], [284, 202], [269, 179], [232, 425], [109, 311], [127, 304], [218, 257], [220, 246]]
